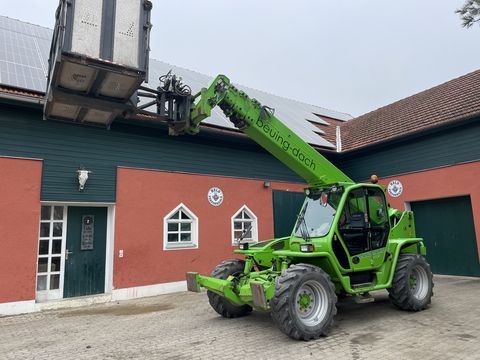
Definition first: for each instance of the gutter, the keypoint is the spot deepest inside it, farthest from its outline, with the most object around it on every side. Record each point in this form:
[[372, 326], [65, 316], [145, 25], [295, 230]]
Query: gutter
[[27, 99]]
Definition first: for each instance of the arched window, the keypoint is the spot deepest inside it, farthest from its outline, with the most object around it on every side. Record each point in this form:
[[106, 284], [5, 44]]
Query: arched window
[[180, 229], [244, 225]]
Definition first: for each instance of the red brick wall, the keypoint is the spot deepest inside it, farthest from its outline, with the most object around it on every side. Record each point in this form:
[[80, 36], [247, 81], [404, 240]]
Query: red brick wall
[[20, 182], [145, 197], [439, 183]]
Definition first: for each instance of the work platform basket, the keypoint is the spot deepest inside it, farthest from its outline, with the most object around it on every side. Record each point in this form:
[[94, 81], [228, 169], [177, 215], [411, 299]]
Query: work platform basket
[[98, 59]]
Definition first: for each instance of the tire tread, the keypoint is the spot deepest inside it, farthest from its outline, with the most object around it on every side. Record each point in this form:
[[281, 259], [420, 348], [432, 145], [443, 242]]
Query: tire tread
[[220, 304], [399, 293], [281, 313]]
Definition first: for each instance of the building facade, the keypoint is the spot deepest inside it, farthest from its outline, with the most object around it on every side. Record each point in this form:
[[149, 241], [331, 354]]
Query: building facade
[[152, 207], [94, 214]]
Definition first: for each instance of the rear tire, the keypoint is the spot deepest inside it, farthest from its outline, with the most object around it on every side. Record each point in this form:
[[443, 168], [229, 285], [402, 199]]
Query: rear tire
[[412, 287], [220, 304], [304, 303]]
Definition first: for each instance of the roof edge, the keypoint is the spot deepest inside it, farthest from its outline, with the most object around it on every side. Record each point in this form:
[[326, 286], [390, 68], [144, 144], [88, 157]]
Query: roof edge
[[416, 94], [459, 121]]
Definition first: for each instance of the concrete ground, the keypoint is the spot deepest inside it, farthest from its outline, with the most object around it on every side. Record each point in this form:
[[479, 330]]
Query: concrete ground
[[183, 326]]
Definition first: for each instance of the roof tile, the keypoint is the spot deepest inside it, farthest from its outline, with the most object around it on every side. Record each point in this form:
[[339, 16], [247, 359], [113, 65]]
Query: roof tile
[[453, 101]]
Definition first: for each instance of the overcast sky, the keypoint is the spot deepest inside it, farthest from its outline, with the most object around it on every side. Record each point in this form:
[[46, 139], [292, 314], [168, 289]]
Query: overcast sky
[[348, 55]]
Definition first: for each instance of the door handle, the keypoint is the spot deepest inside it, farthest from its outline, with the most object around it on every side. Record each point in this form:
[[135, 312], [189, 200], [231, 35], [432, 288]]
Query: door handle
[[68, 253]]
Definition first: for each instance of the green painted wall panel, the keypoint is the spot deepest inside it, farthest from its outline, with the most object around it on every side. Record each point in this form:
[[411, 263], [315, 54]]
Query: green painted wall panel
[[451, 146], [447, 227], [286, 207], [65, 147]]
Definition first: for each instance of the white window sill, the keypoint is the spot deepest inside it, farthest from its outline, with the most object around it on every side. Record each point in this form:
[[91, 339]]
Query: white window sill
[[180, 246]]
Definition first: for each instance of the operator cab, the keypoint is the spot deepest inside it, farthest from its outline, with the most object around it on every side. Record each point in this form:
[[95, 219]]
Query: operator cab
[[360, 233]]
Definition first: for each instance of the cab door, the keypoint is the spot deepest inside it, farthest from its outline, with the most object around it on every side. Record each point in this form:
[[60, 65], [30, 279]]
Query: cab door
[[354, 231], [378, 223], [363, 226]]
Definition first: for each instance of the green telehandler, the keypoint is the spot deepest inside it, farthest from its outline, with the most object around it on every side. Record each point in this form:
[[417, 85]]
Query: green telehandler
[[347, 241]]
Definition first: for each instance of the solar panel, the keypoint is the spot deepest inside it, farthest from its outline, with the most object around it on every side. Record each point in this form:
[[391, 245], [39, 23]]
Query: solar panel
[[24, 51]]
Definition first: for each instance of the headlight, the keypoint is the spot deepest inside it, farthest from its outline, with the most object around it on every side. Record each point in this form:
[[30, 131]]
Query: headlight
[[243, 246], [307, 248]]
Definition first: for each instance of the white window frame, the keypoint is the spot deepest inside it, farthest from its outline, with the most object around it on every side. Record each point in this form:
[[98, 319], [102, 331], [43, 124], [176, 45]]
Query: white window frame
[[47, 294], [193, 244], [254, 225]]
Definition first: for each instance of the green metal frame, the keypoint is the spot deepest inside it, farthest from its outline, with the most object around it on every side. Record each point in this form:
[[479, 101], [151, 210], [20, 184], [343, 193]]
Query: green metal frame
[[256, 288]]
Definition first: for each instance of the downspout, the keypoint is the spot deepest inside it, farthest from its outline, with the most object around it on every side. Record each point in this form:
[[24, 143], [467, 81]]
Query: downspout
[[338, 138]]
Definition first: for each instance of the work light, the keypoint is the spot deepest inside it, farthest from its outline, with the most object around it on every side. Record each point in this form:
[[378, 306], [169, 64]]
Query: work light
[[307, 248]]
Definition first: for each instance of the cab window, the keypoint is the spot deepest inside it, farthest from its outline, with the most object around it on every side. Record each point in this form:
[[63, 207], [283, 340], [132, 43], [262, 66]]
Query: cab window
[[378, 215], [352, 224]]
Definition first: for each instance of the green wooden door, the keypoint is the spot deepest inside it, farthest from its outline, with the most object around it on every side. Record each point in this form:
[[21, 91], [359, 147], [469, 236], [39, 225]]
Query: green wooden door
[[85, 253], [448, 230], [286, 206]]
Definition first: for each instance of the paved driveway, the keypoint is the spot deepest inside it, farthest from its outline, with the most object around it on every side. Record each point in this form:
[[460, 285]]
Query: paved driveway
[[183, 326]]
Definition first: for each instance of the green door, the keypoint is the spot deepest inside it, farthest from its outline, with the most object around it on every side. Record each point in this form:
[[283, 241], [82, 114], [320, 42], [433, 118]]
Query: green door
[[85, 251], [448, 230], [286, 206]]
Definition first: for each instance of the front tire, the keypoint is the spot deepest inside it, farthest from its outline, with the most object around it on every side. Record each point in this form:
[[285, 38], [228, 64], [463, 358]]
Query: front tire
[[219, 303], [304, 303], [412, 287]]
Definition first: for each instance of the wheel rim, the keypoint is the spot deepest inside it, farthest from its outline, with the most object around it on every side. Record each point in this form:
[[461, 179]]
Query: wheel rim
[[311, 303], [419, 282]]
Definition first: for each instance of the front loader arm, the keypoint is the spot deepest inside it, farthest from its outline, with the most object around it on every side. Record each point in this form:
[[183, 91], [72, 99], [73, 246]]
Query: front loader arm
[[259, 123]]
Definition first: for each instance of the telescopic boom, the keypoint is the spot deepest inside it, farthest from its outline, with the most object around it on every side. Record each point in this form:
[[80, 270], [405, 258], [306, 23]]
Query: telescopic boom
[[259, 123]]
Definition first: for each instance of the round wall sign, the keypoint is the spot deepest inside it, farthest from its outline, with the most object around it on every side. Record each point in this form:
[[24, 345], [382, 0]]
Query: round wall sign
[[395, 188], [215, 196]]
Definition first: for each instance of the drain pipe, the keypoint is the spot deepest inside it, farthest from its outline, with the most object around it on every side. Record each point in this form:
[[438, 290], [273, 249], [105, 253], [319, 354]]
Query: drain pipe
[[338, 138]]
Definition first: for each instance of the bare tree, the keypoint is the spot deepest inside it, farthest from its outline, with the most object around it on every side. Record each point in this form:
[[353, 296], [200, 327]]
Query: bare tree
[[469, 12]]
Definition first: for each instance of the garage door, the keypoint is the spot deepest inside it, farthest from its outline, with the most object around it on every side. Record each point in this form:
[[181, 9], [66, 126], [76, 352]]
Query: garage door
[[448, 230], [286, 206]]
